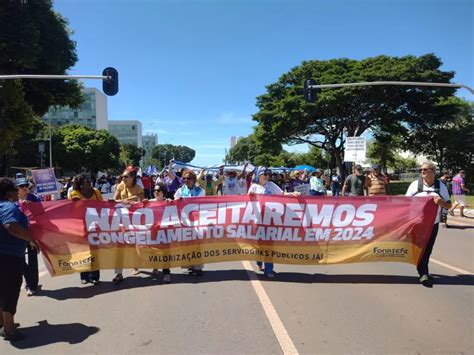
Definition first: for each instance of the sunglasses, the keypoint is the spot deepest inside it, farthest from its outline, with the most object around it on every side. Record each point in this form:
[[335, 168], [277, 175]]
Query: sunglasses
[[23, 186], [424, 170]]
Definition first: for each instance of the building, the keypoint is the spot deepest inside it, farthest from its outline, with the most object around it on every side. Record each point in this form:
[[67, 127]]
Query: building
[[149, 141], [127, 132], [234, 140], [92, 113]]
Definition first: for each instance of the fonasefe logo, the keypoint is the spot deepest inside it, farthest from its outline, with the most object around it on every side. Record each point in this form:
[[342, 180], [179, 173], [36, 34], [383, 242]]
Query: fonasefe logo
[[390, 252]]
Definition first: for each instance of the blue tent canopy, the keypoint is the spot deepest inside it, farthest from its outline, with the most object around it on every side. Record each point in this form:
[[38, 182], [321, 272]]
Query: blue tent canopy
[[309, 168]]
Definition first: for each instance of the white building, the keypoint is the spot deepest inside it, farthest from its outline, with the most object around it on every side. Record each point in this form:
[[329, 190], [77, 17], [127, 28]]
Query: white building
[[92, 113], [234, 140], [127, 132], [149, 141]]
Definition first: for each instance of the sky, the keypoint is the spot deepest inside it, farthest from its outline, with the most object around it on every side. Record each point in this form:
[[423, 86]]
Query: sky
[[190, 71]]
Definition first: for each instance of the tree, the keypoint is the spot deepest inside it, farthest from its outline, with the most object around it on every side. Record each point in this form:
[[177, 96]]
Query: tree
[[78, 147], [34, 39], [165, 152], [130, 154], [449, 142], [284, 116]]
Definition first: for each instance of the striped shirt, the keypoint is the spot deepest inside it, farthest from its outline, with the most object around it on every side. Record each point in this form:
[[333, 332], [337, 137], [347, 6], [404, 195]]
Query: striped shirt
[[456, 185]]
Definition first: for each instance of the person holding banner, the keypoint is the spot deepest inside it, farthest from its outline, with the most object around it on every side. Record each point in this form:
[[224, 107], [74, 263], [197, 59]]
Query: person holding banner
[[428, 185], [128, 191], [30, 269], [188, 190], [263, 186], [160, 191], [14, 237], [317, 184], [235, 184], [82, 190]]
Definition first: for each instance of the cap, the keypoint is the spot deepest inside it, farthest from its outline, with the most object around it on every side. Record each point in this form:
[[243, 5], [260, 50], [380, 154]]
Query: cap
[[376, 166], [21, 181]]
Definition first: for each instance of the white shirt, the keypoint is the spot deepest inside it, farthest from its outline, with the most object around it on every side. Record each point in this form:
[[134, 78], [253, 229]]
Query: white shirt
[[269, 188], [234, 186], [429, 191]]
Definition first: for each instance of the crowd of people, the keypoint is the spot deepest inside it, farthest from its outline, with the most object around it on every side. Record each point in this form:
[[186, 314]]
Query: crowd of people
[[16, 241]]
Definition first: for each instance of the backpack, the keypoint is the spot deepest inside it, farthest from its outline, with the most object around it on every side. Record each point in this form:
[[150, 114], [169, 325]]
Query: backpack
[[420, 186]]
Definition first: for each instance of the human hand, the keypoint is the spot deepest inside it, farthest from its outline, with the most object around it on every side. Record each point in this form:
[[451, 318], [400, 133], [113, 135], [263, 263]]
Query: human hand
[[34, 245]]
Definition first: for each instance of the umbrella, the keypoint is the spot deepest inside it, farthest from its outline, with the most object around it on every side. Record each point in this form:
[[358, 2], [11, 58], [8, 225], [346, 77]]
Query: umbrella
[[309, 168]]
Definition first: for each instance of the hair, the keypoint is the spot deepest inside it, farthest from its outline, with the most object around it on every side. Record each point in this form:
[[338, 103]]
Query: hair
[[430, 164], [161, 187], [190, 174], [131, 172], [6, 185], [77, 185], [461, 171]]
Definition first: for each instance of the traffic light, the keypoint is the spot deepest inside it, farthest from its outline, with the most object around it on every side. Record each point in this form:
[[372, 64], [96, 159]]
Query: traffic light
[[309, 94], [110, 86]]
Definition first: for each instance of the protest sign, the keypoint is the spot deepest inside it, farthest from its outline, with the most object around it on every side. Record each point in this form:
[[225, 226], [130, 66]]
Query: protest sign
[[45, 181], [89, 235], [355, 149], [303, 189]]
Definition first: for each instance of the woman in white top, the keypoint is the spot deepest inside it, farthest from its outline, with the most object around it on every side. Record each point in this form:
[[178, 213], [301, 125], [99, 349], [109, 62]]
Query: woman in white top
[[262, 186], [188, 190]]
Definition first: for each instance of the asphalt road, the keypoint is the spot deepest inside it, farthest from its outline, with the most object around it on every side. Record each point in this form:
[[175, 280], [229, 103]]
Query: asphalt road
[[339, 309]]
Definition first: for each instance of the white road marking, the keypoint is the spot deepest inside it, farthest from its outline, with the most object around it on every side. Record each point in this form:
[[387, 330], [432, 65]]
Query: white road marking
[[461, 271], [279, 329]]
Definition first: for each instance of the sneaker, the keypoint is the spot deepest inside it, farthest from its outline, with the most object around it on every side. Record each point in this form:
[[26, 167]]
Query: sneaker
[[117, 279], [260, 267], [15, 336], [425, 280], [135, 272], [30, 293], [96, 282], [84, 282], [167, 279], [190, 271]]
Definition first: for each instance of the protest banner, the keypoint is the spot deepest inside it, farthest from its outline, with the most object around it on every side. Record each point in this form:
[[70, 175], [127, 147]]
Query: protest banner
[[303, 189], [88, 235], [355, 150], [45, 181]]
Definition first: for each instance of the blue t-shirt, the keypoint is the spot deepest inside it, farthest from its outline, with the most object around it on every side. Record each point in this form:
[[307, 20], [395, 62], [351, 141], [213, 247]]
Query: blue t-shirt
[[10, 245]]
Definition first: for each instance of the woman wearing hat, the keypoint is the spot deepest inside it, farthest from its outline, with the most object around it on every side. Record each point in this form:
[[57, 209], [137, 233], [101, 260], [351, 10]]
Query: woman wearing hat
[[82, 190], [14, 237], [262, 186], [30, 270], [128, 191]]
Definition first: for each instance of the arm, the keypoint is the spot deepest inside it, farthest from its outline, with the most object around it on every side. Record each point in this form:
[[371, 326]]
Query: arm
[[170, 171], [240, 176], [19, 232]]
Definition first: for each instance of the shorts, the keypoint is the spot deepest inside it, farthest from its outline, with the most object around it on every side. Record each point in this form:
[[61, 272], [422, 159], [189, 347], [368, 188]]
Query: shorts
[[460, 199], [11, 269]]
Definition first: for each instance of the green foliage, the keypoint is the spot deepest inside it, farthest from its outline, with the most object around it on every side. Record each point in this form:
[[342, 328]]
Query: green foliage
[[130, 154], [285, 117], [248, 149], [449, 142], [78, 147], [163, 153], [34, 39]]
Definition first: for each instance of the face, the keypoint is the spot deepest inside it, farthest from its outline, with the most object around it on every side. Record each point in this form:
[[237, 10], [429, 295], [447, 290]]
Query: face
[[127, 179], [86, 183], [263, 179], [189, 180], [358, 172], [232, 174], [376, 171], [159, 194], [23, 190], [426, 171]]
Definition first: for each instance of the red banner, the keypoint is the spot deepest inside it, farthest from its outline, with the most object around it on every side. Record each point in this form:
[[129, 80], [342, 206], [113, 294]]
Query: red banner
[[89, 235]]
